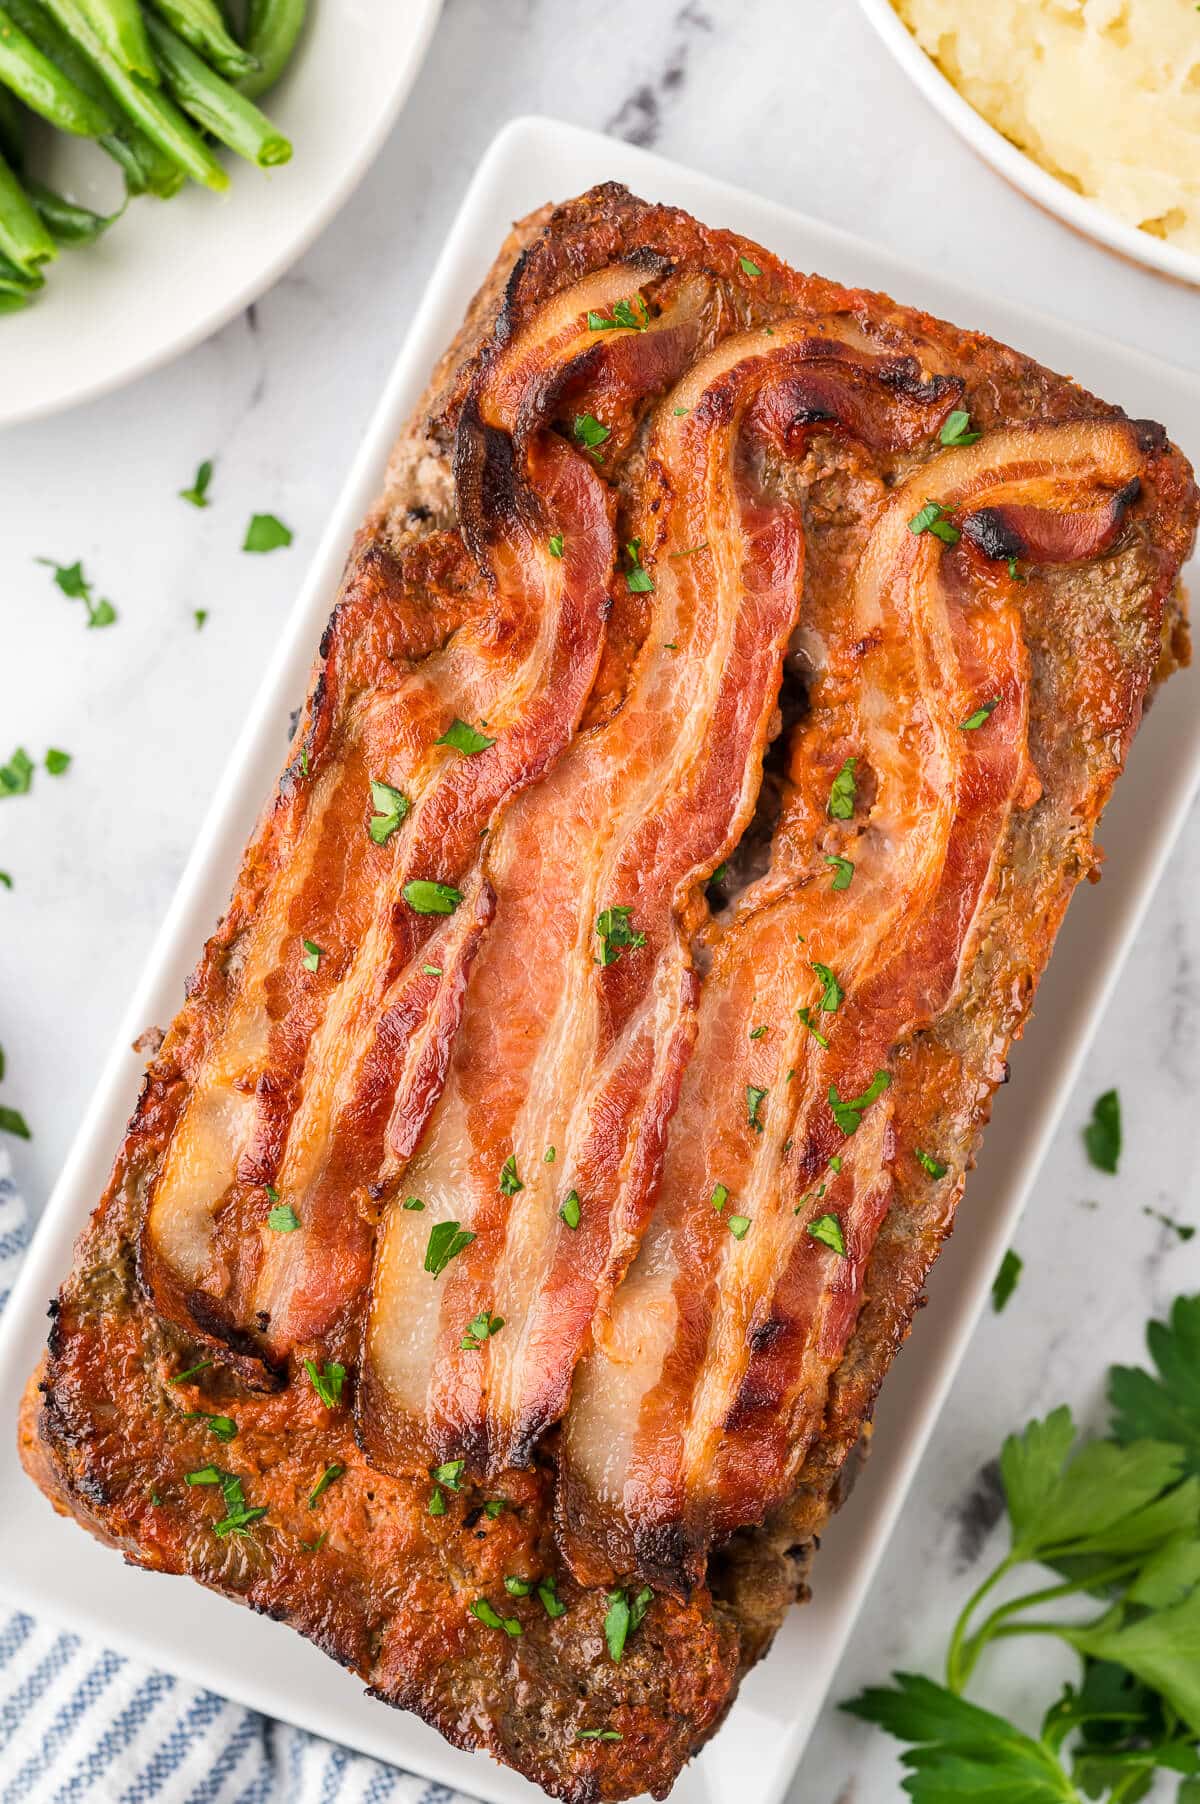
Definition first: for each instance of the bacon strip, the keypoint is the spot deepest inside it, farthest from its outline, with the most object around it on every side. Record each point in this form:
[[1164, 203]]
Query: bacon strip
[[558, 1050], [706, 1386], [320, 1088]]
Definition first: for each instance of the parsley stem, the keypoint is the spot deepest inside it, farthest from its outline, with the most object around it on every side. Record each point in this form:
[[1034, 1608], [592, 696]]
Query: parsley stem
[[964, 1652], [956, 1677]]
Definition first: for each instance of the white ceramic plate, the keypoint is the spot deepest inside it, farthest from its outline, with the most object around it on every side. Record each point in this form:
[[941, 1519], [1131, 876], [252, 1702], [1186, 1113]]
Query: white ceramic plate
[[1085, 215], [169, 273], [52, 1568]]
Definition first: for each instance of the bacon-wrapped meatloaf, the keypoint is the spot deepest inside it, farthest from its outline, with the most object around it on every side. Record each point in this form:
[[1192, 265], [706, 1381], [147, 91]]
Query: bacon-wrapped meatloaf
[[524, 1207]]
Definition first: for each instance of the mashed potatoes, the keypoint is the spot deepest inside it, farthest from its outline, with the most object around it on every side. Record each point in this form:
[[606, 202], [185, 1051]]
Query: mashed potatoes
[[1105, 94]]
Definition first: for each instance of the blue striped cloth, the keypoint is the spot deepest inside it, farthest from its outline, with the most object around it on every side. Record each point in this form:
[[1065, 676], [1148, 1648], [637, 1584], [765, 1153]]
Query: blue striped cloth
[[78, 1722]]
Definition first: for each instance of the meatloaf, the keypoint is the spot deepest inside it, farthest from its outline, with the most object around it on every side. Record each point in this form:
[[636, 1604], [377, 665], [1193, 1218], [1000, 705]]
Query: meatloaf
[[521, 1213]]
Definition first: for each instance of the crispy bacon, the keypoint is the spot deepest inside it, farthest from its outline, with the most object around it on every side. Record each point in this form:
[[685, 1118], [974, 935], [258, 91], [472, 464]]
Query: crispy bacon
[[706, 1385], [321, 1088]]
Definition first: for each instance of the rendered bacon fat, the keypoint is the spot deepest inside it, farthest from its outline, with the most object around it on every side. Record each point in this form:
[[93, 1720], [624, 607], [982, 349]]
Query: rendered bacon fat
[[707, 1383], [319, 1087]]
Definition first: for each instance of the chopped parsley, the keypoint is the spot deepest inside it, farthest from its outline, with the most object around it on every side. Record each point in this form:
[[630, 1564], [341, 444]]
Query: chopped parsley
[[432, 970], [598, 1735], [510, 1183], [849, 1113], [843, 873], [390, 809], [1183, 1229], [933, 518], [283, 1219], [198, 493], [1005, 1281], [1013, 572], [843, 792], [758, 1033], [74, 584], [495, 1506], [750, 266], [616, 934], [957, 429], [426, 898], [518, 1587], [483, 1612], [1102, 1135], [323, 1483], [638, 579], [833, 995], [570, 1212], [973, 721], [555, 546], [266, 533], [224, 1427], [446, 1241], [480, 1329], [624, 313], [590, 433], [437, 1503], [13, 1122], [412, 1202], [200, 615], [182, 1377], [328, 1382], [6, 879], [548, 1596], [738, 1225], [57, 762], [450, 1474], [17, 775], [312, 955], [933, 1166], [548, 1157], [835, 1164], [828, 1230], [754, 1101], [623, 1616], [238, 1517], [464, 738], [720, 1197], [805, 1015]]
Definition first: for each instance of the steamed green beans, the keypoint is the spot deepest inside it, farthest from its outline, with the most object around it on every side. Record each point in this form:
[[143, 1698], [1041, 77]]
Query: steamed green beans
[[66, 222], [43, 86], [157, 116], [224, 112], [23, 237], [273, 28], [120, 28], [200, 25]]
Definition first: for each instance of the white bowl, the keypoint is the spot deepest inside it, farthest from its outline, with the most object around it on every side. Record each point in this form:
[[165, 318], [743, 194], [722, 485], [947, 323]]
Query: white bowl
[[1085, 215], [171, 272]]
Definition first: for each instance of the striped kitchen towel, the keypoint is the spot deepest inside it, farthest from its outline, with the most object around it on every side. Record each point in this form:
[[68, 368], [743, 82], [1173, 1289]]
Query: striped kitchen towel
[[79, 1723]]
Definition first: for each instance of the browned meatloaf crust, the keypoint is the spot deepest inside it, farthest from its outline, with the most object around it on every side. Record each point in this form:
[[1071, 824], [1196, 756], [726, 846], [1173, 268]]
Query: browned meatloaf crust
[[1094, 622]]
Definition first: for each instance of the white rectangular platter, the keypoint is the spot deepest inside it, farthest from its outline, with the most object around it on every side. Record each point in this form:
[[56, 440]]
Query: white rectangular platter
[[50, 1567]]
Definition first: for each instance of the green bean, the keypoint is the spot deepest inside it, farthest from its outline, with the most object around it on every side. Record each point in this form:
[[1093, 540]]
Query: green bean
[[224, 112], [16, 288], [23, 237], [272, 30], [12, 129], [157, 116], [145, 166], [66, 222], [42, 86], [199, 24], [121, 29]]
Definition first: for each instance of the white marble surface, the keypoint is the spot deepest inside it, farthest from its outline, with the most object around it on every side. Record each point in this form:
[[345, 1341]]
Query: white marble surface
[[798, 101]]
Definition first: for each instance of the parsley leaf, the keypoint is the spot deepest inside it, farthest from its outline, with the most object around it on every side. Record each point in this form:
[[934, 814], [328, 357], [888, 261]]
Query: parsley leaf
[[622, 1617], [616, 934], [57, 762], [1102, 1135], [313, 955], [266, 533], [624, 313], [589, 432], [548, 1597], [750, 266], [843, 874], [480, 1329], [426, 898], [390, 806], [957, 429], [805, 1015], [446, 1241], [74, 584], [464, 738], [412, 1202], [843, 792], [754, 1101], [510, 1183], [198, 493], [450, 1474], [555, 545], [849, 1113], [1167, 1406], [933, 1166], [738, 1225], [323, 1483], [1006, 1279], [638, 579], [328, 1382], [974, 721], [13, 1122], [570, 1211], [933, 518], [16, 776], [598, 1735], [224, 1427], [828, 1230], [834, 995], [283, 1219], [483, 1612]]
